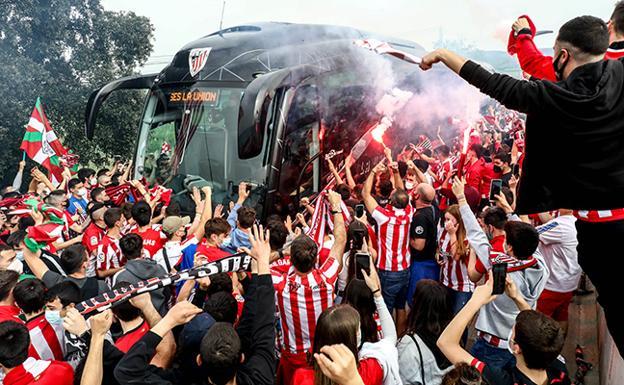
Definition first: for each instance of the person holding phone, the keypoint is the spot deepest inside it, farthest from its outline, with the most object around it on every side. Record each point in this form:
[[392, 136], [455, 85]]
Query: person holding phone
[[359, 248], [525, 265]]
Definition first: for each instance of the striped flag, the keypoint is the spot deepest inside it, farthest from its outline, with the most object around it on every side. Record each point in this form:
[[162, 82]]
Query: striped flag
[[42, 145], [425, 144]]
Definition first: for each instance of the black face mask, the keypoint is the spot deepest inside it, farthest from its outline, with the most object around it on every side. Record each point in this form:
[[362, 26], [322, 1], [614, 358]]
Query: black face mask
[[497, 169], [558, 69]]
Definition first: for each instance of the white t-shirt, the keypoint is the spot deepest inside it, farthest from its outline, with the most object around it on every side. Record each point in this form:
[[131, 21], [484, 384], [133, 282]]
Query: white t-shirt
[[558, 247]]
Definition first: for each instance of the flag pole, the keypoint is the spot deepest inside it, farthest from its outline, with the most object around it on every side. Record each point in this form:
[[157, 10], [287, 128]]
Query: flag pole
[[23, 156]]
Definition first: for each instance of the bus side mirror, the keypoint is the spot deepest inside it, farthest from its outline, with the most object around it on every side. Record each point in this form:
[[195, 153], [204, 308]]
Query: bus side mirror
[[256, 101], [253, 112], [100, 95]]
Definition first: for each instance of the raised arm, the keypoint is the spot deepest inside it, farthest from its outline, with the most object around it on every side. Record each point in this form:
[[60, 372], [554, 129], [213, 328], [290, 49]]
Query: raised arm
[[513, 93], [450, 339], [334, 172], [385, 318], [476, 237], [340, 231], [531, 59], [206, 213], [369, 201], [93, 371], [349, 176]]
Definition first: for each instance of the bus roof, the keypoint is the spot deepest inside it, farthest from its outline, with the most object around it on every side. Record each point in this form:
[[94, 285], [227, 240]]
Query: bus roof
[[240, 53]]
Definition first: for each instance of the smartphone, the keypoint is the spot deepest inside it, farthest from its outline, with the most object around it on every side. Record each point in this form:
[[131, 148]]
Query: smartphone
[[516, 170], [362, 262], [495, 189], [499, 274], [359, 211]]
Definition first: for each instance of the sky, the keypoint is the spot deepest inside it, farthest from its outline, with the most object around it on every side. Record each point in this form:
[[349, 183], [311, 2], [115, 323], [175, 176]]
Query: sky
[[482, 23]]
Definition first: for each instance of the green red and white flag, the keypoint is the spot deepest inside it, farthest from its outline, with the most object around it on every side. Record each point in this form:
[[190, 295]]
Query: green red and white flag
[[42, 145]]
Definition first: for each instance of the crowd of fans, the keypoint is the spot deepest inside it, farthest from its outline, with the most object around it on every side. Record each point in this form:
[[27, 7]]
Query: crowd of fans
[[377, 281]]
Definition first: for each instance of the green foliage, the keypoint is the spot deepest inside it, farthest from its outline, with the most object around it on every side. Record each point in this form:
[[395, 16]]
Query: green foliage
[[62, 50]]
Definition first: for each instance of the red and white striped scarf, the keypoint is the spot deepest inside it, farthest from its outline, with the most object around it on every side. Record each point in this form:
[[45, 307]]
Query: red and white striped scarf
[[321, 218]]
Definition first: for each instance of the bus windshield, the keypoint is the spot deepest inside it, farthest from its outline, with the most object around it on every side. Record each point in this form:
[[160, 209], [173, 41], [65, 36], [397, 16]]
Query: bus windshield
[[189, 138]]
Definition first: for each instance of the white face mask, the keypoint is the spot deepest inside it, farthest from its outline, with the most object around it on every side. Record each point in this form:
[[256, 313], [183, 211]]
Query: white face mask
[[82, 192], [19, 255], [93, 181], [409, 185], [16, 265]]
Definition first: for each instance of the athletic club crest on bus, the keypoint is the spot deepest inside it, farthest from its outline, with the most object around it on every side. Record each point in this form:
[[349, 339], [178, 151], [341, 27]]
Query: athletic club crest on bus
[[197, 59]]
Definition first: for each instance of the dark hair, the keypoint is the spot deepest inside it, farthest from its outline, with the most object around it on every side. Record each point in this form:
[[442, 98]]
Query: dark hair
[[617, 17], [73, 182], [66, 291], [495, 216], [102, 172], [540, 338], [278, 234], [72, 258], [126, 210], [141, 213], [522, 237], [217, 226], [478, 149], [173, 209], [358, 295], [85, 173], [219, 282], [385, 188], [8, 280], [303, 253], [503, 157], [96, 192], [462, 374], [15, 342], [421, 164], [336, 325], [30, 295], [16, 238], [399, 199], [431, 310], [506, 191], [220, 352], [25, 222], [444, 150], [589, 34], [125, 311], [131, 246], [246, 217], [112, 216], [222, 306], [344, 190]]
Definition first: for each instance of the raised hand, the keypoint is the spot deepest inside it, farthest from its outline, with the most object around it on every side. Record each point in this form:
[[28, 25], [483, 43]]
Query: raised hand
[[101, 323]]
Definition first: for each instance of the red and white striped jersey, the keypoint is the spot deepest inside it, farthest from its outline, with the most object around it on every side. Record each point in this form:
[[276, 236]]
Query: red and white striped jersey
[[47, 342], [453, 273], [301, 299], [599, 215], [109, 254], [393, 237]]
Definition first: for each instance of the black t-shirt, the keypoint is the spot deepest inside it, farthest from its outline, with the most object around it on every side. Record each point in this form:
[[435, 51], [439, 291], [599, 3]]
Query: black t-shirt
[[557, 374], [425, 226]]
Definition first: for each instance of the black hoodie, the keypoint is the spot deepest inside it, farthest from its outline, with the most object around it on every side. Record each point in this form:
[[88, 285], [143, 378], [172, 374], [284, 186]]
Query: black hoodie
[[574, 139]]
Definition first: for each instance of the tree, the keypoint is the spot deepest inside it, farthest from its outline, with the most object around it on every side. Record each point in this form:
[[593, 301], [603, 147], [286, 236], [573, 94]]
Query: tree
[[62, 50]]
